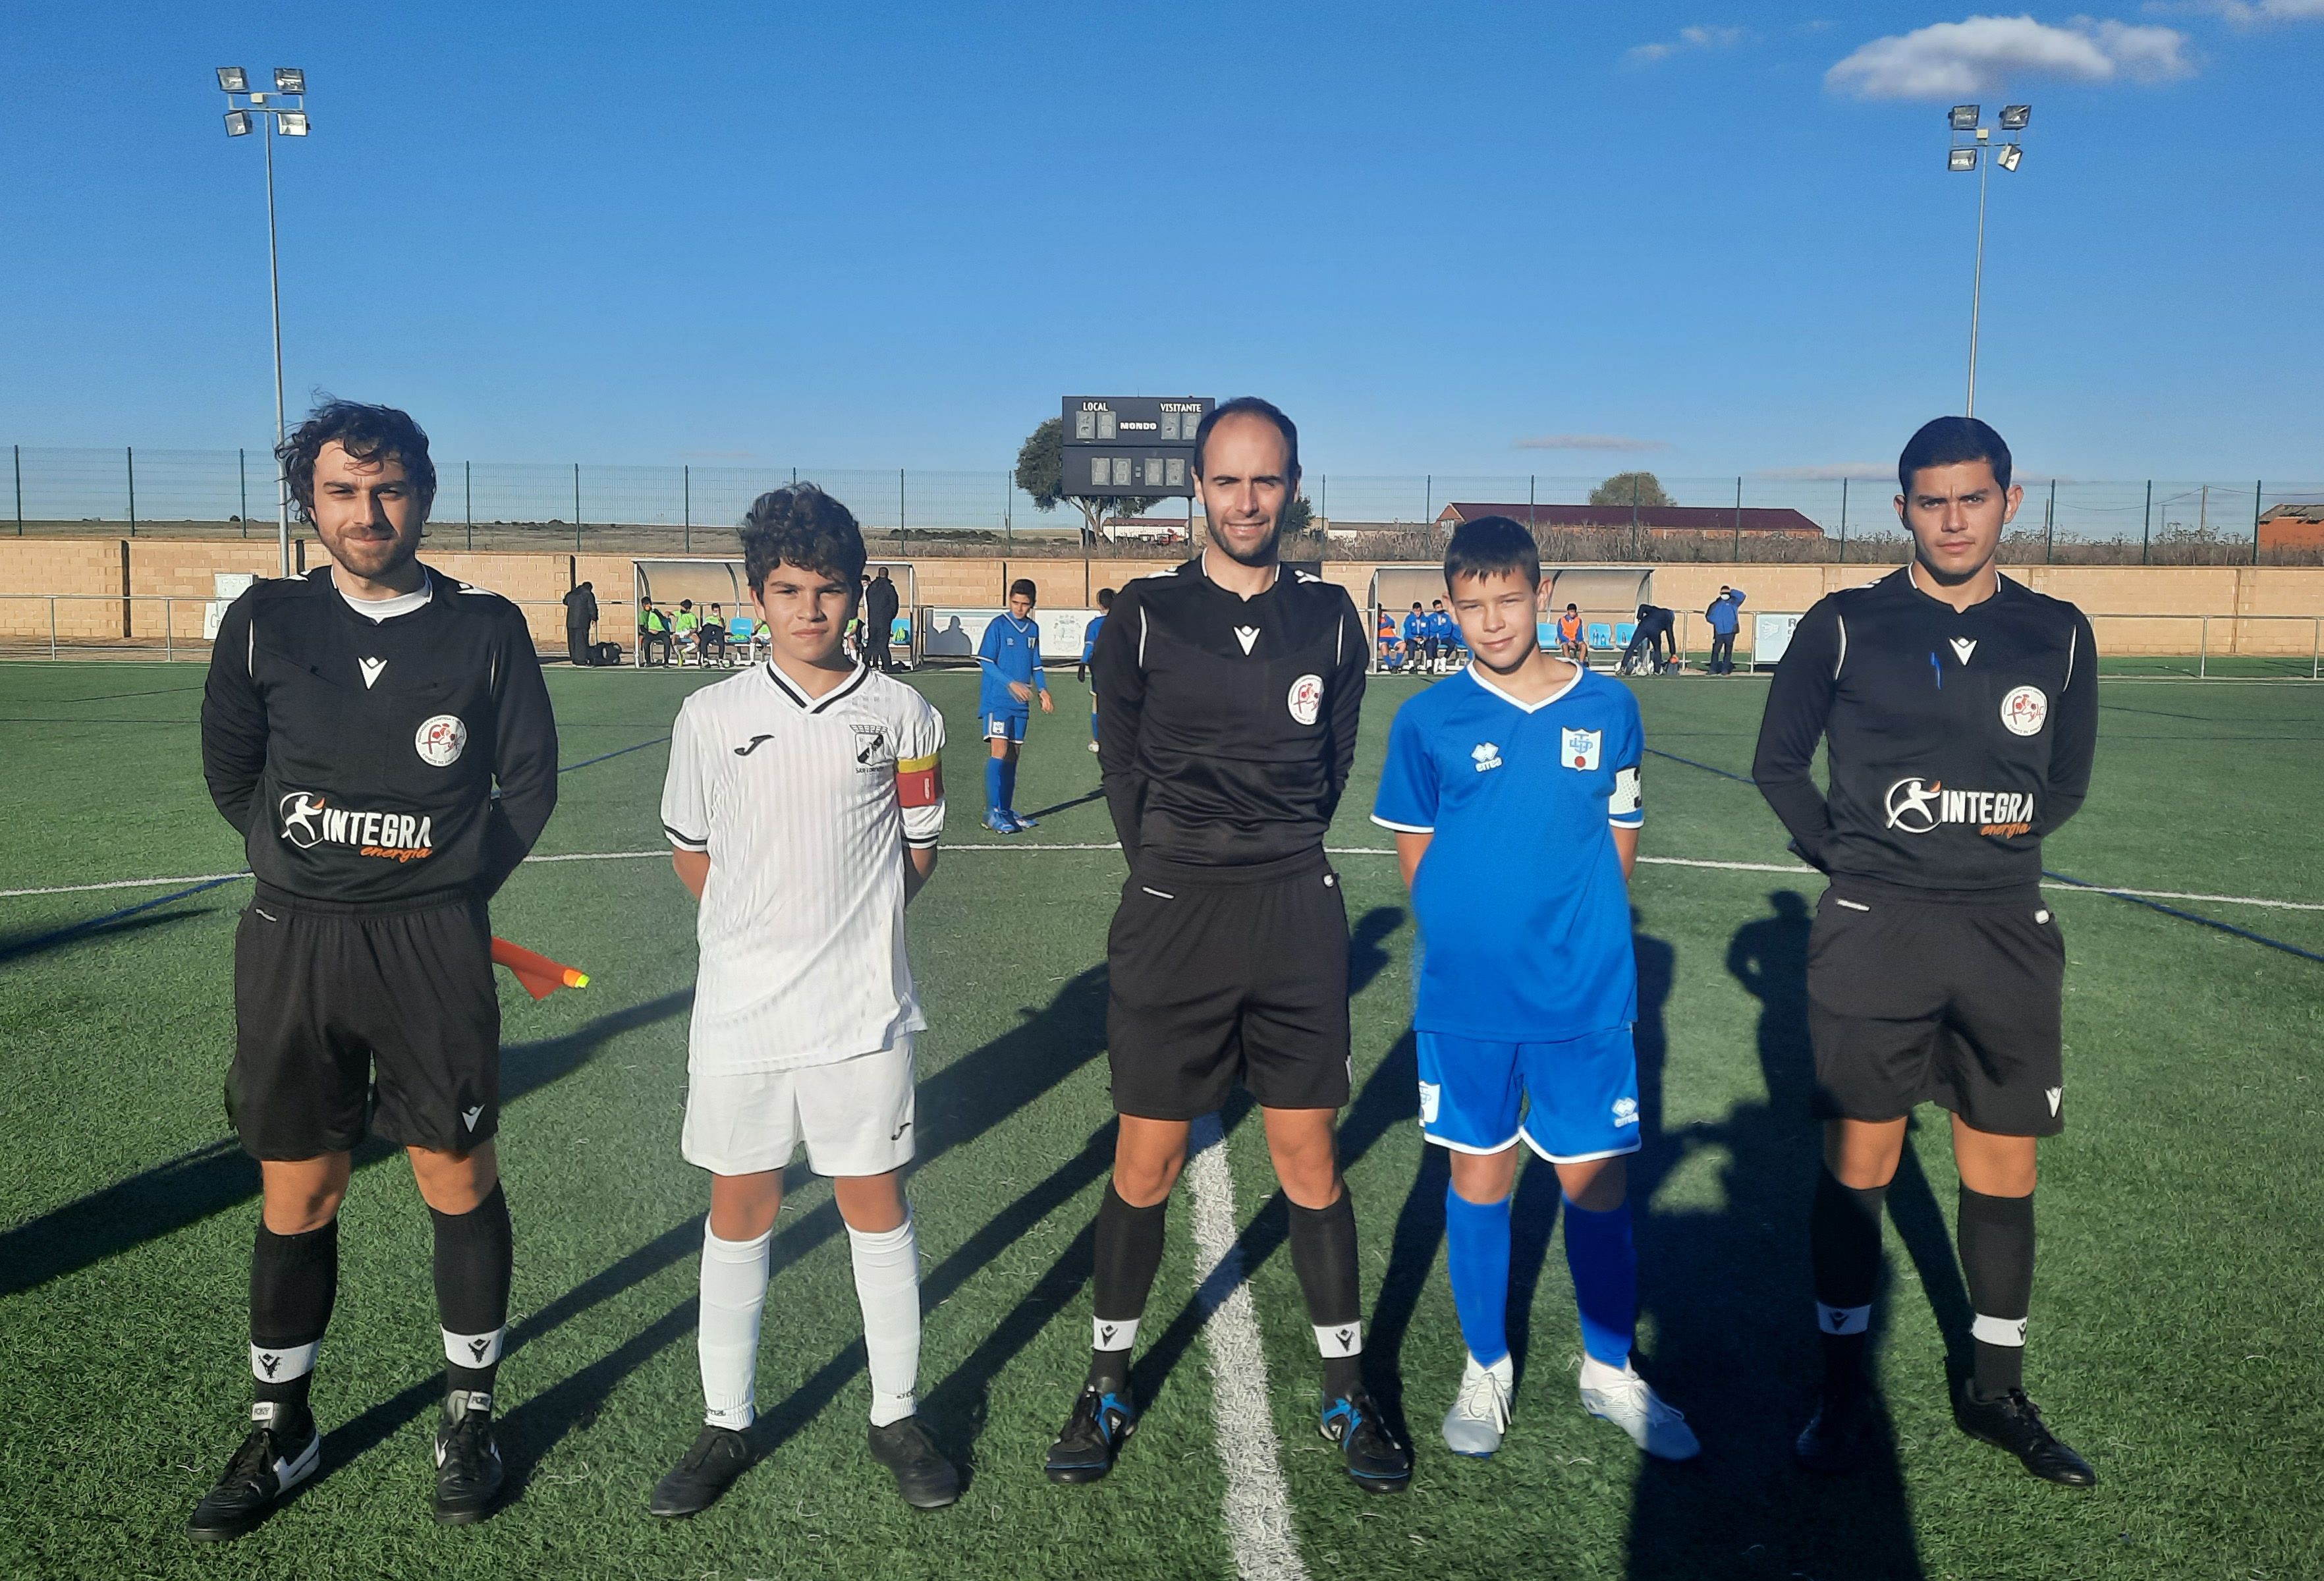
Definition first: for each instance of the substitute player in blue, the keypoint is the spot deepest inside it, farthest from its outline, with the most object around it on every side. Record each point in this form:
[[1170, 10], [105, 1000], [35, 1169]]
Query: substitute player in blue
[[1089, 649], [1515, 808], [1008, 666], [1419, 639]]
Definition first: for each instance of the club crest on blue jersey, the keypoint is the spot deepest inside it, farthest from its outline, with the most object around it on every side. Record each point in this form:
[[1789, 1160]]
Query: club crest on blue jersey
[[1579, 748]]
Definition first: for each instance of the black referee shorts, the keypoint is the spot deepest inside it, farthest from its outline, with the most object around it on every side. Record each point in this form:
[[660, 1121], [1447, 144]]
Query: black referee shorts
[[348, 1021], [1220, 974], [1914, 1001]]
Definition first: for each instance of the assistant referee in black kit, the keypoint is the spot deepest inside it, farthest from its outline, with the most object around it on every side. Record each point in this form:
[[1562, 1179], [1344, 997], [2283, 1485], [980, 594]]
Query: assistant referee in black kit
[[355, 724], [1960, 713], [1227, 693]]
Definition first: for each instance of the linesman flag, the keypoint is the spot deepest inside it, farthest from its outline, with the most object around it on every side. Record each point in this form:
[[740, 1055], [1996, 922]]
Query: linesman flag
[[541, 976]]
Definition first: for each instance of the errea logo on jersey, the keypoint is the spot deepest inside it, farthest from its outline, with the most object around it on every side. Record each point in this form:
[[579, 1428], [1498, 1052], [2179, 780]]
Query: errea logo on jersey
[[1485, 755], [309, 820], [1916, 806]]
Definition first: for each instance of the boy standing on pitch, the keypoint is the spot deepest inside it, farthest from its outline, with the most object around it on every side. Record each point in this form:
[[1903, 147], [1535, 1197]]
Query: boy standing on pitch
[[804, 802], [1089, 648], [1008, 675], [1516, 808]]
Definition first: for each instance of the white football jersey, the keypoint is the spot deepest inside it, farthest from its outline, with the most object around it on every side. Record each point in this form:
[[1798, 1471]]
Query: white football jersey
[[804, 806]]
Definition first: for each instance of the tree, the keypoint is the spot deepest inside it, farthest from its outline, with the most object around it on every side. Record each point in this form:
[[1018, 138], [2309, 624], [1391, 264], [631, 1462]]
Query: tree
[[1624, 488], [1298, 516], [1041, 473]]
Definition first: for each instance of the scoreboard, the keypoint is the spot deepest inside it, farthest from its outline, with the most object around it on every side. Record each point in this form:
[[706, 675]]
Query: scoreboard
[[1131, 446]]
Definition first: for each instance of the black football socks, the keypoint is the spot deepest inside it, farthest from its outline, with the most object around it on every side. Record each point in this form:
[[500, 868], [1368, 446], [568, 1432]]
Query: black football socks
[[1996, 1235], [1324, 1254], [1844, 1247], [474, 1259], [294, 1281], [1129, 1251]]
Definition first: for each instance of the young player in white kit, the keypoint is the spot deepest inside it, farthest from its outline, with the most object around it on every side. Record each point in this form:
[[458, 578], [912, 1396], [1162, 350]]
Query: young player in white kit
[[804, 800]]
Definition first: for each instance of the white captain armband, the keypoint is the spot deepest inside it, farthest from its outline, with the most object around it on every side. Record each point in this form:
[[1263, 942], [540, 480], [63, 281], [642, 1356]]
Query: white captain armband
[[1626, 804]]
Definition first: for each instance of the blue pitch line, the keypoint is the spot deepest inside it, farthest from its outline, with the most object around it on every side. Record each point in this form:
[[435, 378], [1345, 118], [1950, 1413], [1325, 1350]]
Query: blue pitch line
[[45, 939], [2291, 949], [601, 757]]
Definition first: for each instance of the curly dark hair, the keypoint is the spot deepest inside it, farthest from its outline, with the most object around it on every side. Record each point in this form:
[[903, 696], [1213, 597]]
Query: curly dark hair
[[367, 433], [802, 526]]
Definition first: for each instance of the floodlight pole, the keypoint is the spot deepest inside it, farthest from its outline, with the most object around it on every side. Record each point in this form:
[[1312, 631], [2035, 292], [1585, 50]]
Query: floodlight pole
[[1976, 278], [275, 297]]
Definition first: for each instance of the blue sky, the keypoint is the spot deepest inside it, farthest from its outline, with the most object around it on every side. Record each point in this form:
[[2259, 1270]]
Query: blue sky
[[856, 236]]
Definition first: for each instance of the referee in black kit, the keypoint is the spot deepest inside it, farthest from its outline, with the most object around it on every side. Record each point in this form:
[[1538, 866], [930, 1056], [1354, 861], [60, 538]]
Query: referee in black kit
[[354, 724], [1228, 696], [1960, 713]]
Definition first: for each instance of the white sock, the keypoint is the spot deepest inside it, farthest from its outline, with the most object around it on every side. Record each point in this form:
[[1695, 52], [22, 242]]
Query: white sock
[[726, 1339], [888, 1288], [1598, 1374]]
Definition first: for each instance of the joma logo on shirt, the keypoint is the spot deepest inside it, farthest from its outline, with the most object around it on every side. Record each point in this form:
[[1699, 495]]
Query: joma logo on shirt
[[309, 820], [1916, 806]]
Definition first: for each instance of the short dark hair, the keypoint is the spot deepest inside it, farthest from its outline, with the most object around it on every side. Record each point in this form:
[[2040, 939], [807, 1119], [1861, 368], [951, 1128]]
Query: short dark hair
[[1025, 585], [1250, 406], [1952, 441], [1105, 599], [1576, 608], [803, 526], [1492, 546], [367, 433]]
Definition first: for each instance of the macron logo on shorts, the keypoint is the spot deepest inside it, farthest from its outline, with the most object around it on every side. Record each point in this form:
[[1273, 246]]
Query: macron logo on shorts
[[2054, 1094], [468, 1116]]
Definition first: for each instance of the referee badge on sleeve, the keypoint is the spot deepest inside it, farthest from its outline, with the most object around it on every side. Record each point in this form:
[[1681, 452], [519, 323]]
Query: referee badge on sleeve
[[1579, 749]]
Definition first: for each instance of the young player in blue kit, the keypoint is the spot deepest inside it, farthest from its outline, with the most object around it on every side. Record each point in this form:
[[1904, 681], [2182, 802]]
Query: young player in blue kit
[[1089, 650], [1008, 668], [1515, 808]]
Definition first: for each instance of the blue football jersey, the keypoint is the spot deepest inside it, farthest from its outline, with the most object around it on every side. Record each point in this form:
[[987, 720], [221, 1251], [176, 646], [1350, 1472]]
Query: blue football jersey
[[1089, 636], [1520, 897], [1416, 628], [1011, 651]]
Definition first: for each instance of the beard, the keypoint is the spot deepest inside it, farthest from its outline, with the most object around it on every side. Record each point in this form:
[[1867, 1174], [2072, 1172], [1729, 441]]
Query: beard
[[1262, 553]]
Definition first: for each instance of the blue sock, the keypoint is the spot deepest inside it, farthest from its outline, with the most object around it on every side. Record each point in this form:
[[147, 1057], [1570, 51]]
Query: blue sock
[[995, 797], [1477, 1254], [1007, 782], [1605, 1266]]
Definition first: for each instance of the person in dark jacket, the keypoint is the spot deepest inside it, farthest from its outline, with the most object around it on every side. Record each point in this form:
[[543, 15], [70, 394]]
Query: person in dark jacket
[[1651, 639], [879, 605], [380, 736], [1725, 616], [580, 614]]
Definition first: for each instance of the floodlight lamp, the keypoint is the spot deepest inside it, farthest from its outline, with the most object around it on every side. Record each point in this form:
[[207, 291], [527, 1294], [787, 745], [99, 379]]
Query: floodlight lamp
[[233, 78], [292, 122], [237, 123], [1963, 117], [289, 79], [2015, 117], [2007, 156], [1961, 159]]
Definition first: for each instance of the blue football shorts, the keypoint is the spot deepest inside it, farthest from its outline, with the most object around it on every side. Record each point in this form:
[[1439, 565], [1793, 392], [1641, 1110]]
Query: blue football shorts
[[1005, 724], [1571, 1102]]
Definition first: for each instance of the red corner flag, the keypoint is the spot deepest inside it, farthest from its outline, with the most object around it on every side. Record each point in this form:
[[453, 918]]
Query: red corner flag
[[541, 976]]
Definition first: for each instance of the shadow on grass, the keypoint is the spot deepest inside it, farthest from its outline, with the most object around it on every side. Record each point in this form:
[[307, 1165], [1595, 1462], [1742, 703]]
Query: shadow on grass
[[1731, 1294], [25, 947], [190, 1187]]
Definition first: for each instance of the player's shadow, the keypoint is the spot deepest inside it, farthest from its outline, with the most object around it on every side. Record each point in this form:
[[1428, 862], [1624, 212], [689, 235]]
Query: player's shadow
[[1080, 801], [170, 1196], [975, 1093], [24, 946], [1731, 1299]]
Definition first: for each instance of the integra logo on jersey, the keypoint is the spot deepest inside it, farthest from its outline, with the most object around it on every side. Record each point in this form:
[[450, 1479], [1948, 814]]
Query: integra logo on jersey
[[309, 820], [1915, 805]]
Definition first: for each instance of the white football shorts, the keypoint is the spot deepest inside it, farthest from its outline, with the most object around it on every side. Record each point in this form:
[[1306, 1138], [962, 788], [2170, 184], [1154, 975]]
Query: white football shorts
[[856, 1117]]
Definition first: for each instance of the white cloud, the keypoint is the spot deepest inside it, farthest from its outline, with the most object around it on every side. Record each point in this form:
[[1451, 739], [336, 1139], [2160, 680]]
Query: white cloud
[[1984, 54], [2246, 13], [1698, 37], [1590, 442], [1832, 473]]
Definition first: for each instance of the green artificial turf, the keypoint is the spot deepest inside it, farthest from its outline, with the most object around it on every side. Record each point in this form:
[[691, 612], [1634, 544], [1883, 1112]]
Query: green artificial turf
[[2175, 1313]]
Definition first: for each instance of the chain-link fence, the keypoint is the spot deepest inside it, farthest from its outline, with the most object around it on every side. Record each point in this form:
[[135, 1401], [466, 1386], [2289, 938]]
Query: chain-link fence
[[685, 509]]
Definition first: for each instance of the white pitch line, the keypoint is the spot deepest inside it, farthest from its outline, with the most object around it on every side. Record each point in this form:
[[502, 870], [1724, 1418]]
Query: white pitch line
[[1257, 1503], [2101, 889]]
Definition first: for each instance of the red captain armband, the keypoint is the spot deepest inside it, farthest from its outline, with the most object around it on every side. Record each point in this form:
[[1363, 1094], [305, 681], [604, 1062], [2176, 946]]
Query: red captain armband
[[920, 782]]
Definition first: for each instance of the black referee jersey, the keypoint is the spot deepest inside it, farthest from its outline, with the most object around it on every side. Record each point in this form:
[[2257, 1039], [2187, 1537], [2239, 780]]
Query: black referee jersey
[[1226, 726], [359, 758], [1956, 739]]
